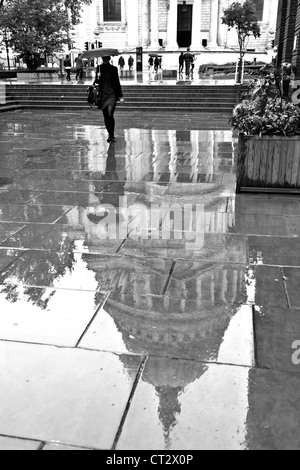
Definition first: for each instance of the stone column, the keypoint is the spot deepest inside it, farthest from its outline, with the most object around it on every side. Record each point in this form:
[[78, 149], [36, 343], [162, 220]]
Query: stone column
[[133, 23], [146, 23], [154, 24], [172, 26], [221, 27], [196, 28], [123, 11], [100, 19], [214, 21]]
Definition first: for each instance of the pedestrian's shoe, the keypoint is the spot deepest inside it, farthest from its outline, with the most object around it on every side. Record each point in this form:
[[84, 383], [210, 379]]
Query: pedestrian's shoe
[[111, 139]]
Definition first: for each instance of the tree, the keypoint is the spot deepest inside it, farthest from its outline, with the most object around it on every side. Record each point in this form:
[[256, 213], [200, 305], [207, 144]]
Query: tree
[[242, 17], [38, 28]]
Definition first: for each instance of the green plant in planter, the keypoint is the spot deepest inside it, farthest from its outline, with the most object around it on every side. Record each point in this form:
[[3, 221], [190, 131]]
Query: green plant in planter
[[263, 109]]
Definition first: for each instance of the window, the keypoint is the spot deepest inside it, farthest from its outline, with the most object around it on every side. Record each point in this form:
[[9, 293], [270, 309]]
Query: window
[[259, 8], [295, 43], [112, 10]]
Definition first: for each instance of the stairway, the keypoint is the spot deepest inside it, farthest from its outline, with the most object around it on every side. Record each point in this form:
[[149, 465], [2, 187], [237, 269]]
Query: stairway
[[194, 98]]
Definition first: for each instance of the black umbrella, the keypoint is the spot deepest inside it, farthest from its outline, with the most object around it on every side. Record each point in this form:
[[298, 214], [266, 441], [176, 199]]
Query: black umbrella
[[103, 52]]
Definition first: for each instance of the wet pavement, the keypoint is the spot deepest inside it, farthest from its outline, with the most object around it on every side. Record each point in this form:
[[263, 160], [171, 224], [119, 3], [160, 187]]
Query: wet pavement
[[143, 304]]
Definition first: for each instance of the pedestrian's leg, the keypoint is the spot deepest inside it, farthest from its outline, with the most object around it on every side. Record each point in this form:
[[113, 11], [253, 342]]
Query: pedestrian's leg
[[109, 121]]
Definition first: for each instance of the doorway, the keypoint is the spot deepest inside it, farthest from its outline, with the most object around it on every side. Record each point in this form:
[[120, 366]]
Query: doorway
[[184, 25]]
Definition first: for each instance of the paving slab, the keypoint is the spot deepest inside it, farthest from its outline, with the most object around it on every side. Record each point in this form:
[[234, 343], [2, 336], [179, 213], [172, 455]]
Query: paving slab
[[12, 443], [7, 257], [268, 204], [64, 395], [31, 213], [16, 195], [277, 330], [275, 251], [292, 279], [7, 230], [182, 405], [45, 316]]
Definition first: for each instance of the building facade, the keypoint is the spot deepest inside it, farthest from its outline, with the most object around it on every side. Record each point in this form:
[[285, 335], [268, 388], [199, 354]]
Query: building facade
[[288, 33], [171, 25]]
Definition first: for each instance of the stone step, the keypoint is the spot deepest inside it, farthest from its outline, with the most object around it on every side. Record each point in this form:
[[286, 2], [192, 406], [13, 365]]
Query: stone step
[[70, 107], [199, 98], [147, 103], [133, 100], [125, 92], [156, 89], [11, 106]]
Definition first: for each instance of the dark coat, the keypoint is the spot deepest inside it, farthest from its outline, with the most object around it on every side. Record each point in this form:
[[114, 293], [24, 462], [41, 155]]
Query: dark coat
[[109, 73]]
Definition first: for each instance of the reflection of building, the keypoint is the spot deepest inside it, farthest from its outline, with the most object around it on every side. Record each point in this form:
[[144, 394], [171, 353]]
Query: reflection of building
[[164, 328]]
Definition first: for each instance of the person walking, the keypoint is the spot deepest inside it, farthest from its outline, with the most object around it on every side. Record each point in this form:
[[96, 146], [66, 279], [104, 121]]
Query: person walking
[[130, 63], [79, 68], [189, 59], [181, 63], [68, 67], [110, 92]]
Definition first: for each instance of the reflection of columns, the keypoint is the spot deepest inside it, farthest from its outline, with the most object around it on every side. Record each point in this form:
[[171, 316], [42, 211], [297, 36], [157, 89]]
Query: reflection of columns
[[195, 155], [172, 26], [145, 23], [196, 28], [213, 30], [133, 23], [154, 24], [173, 158]]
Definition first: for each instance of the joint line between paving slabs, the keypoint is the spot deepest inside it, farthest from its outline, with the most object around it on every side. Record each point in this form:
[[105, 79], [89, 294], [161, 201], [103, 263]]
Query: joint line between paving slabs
[[15, 259], [254, 336], [93, 318], [285, 288], [165, 289], [137, 379]]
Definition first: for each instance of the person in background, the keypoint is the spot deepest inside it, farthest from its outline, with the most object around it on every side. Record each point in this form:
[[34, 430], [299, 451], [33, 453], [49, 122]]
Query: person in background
[[189, 60], [151, 62], [68, 67], [130, 63], [157, 64], [110, 94], [121, 63], [181, 63], [79, 67]]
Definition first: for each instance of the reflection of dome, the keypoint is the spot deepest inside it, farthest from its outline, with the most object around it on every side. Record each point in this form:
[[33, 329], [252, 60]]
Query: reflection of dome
[[174, 374], [169, 326]]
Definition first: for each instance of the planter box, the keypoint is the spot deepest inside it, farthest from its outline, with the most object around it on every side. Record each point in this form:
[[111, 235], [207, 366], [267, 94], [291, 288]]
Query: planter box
[[268, 164], [8, 75], [38, 75]]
